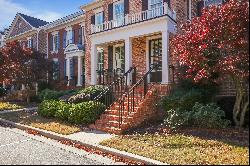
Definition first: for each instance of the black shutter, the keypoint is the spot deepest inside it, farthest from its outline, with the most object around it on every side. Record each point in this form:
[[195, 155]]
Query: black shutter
[[169, 3], [110, 10], [103, 14], [200, 6], [144, 5], [93, 19], [110, 58], [126, 7]]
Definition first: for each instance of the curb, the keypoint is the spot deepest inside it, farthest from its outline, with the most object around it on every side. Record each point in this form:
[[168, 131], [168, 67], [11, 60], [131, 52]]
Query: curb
[[18, 110], [112, 151]]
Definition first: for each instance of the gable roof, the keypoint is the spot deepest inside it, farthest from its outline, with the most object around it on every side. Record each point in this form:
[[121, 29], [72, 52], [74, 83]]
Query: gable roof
[[35, 22], [63, 20]]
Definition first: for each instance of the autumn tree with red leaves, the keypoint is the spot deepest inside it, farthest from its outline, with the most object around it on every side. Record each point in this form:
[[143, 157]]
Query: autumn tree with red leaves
[[22, 65], [215, 46]]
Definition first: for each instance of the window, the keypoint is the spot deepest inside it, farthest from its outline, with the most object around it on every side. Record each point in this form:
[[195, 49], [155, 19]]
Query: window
[[30, 43], [56, 42], [119, 12], [156, 7], [80, 36], [100, 54], [70, 37], [56, 70], [72, 72], [65, 39], [212, 2], [99, 18], [19, 25]]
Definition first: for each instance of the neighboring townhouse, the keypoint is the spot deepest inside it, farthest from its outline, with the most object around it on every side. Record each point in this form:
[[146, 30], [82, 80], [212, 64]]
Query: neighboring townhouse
[[25, 29], [66, 45]]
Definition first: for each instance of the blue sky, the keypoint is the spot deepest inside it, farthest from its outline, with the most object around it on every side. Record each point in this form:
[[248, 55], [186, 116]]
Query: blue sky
[[47, 10]]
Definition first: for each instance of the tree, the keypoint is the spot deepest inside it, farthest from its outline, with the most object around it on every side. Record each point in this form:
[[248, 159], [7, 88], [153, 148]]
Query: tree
[[22, 65], [215, 46]]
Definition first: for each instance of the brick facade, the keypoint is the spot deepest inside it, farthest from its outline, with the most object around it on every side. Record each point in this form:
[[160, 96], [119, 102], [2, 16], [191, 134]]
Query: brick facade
[[24, 27]]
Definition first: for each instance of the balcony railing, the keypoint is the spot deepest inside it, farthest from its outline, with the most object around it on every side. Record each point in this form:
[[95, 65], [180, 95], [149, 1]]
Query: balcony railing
[[134, 18]]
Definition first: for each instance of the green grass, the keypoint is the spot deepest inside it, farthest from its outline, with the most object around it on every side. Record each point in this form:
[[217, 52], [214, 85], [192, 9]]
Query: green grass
[[181, 149], [34, 120]]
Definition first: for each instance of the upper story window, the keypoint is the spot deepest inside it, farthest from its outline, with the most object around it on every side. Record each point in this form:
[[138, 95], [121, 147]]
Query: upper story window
[[30, 43], [155, 4], [81, 35], [19, 25], [99, 18], [55, 42], [206, 3], [70, 37], [212, 2]]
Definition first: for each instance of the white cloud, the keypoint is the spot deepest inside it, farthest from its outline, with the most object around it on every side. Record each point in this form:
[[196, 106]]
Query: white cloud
[[47, 15], [8, 10]]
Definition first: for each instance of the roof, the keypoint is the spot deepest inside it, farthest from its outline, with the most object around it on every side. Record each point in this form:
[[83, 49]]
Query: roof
[[35, 22], [64, 20]]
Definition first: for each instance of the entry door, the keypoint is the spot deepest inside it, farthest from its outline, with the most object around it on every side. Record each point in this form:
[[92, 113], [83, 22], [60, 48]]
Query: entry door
[[119, 59], [155, 57]]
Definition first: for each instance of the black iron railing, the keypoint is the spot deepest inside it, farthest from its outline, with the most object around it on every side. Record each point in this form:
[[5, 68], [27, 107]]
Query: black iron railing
[[117, 88], [130, 100]]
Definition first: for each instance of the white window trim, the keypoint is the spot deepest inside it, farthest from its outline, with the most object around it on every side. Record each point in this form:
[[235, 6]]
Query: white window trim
[[115, 3], [149, 4], [55, 60], [114, 46], [96, 17], [54, 34], [190, 10], [213, 3], [29, 42], [69, 37]]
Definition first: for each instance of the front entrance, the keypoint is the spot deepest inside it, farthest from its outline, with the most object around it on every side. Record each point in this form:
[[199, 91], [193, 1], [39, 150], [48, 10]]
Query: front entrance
[[119, 59], [155, 57]]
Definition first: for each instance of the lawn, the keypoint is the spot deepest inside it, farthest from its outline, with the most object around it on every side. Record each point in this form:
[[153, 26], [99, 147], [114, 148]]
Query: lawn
[[206, 147], [33, 119], [9, 106]]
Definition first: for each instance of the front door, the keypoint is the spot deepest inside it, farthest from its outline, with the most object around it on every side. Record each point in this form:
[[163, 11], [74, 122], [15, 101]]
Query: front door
[[155, 57], [119, 59]]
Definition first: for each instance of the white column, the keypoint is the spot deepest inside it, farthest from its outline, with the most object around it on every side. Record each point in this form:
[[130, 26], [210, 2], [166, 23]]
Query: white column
[[79, 80], [93, 64], [23, 87], [165, 57], [68, 69], [128, 57], [4, 85]]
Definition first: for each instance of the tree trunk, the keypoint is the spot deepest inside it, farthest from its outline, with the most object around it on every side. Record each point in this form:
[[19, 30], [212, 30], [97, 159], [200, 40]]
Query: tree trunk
[[241, 106]]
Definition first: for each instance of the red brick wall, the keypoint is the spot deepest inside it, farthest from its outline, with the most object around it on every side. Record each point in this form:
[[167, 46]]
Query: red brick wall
[[24, 27]]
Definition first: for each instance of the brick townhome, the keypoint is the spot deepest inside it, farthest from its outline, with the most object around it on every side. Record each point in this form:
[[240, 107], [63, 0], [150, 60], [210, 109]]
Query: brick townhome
[[110, 38]]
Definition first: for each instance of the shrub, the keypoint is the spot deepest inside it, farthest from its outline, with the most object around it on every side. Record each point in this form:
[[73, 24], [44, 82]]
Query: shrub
[[48, 94], [48, 108], [62, 112], [182, 99], [177, 118], [85, 113], [208, 116], [203, 116], [86, 94]]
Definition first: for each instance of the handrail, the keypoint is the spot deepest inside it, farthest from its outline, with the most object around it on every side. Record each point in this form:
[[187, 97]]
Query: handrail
[[129, 95], [115, 85]]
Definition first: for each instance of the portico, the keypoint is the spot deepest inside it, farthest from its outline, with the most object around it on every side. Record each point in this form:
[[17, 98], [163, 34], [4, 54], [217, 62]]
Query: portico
[[71, 51]]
